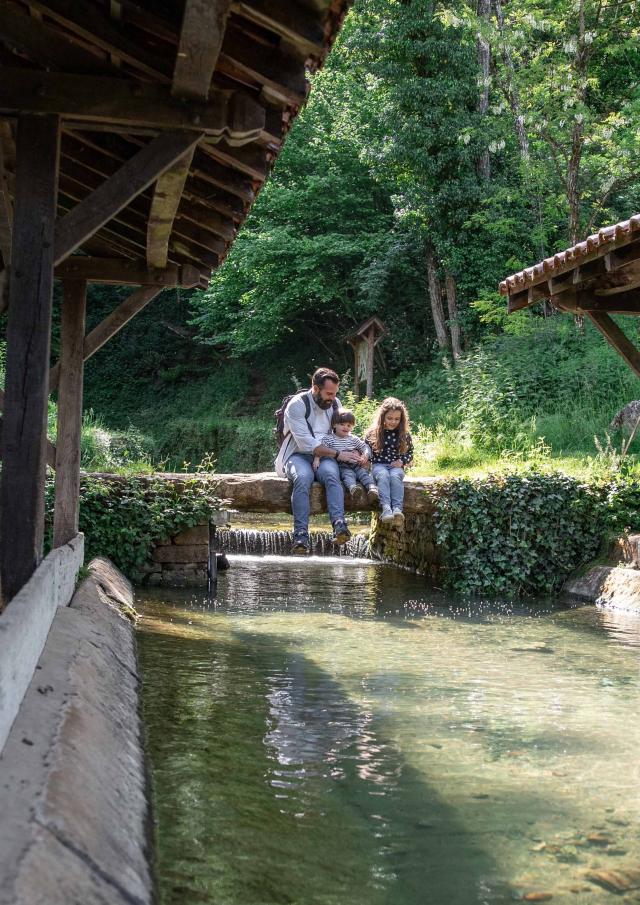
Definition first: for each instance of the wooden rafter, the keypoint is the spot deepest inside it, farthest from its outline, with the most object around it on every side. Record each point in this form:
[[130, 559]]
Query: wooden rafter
[[96, 101], [203, 27], [617, 339], [297, 25], [131, 179], [6, 213], [115, 271]]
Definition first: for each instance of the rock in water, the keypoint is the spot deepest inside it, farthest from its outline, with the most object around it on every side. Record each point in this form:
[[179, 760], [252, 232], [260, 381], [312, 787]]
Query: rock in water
[[537, 896], [616, 880]]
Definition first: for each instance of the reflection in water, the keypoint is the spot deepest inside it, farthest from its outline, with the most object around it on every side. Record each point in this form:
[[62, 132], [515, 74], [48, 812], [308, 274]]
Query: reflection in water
[[329, 732]]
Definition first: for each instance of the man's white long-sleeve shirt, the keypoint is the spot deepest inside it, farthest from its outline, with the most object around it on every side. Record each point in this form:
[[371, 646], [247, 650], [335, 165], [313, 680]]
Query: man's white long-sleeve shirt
[[302, 434]]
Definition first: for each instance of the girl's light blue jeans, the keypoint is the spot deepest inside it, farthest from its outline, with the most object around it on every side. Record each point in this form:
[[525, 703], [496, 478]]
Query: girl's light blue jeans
[[390, 485]]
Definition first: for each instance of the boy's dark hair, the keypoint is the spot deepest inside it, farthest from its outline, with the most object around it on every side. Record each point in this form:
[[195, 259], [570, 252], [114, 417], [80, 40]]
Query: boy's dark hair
[[321, 375], [343, 416]]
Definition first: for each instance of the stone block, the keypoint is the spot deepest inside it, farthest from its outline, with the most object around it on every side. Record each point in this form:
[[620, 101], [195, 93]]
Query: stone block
[[182, 553], [190, 536]]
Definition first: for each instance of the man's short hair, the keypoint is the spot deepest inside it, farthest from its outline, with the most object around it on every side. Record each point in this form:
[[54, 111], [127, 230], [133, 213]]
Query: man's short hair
[[321, 375]]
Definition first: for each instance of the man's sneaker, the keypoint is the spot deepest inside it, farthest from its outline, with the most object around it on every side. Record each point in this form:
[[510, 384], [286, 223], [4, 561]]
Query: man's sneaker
[[387, 515], [301, 545], [372, 494], [341, 533], [398, 518]]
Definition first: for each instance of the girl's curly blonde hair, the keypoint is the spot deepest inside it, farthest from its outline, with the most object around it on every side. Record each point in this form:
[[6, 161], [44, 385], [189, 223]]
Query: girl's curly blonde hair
[[375, 434]]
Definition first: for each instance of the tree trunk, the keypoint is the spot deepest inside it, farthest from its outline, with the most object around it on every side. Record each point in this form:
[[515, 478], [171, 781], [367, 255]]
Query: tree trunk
[[435, 296], [454, 321], [510, 89], [484, 57]]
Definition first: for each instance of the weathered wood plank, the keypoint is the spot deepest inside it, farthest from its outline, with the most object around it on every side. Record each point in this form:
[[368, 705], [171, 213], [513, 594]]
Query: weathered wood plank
[[67, 488], [164, 206], [6, 214], [132, 178], [50, 453], [110, 102], [89, 22], [46, 46], [111, 325], [294, 23], [617, 339], [251, 160], [28, 343], [116, 271], [203, 27], [281, 74]]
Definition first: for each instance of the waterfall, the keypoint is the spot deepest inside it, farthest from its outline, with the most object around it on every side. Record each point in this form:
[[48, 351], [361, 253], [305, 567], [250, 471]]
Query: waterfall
[[278, 543]]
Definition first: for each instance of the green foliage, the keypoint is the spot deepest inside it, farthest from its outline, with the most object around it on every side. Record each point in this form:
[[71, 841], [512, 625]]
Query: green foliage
[[525, 533], [124, 518]]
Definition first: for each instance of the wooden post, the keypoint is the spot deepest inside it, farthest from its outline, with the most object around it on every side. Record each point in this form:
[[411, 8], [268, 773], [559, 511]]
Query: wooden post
[[616, 338], [65, 518], [24, 431], [371, 342]]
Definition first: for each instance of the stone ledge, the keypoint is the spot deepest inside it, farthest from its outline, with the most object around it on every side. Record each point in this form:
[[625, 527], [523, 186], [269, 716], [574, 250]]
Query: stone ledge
[[266, 492], [75, 819], [609, 586]]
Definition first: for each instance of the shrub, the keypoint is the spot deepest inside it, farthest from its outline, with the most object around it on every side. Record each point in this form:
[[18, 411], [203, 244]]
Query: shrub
[[125, 517], [525, 533]]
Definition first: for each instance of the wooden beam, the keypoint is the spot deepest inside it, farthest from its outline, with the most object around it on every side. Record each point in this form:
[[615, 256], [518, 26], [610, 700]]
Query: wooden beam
[[111, 325], [293, 22], [6, 214], [24, 431], [115, 271], [203, 27], [50, 454], [109, 102], [46, 46], [95, 28], [131, 179], [280, 74], [617, 339], [252, 161], [67, 488]]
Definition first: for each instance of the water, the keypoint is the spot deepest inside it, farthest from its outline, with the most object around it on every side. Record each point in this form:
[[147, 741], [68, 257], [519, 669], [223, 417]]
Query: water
[[258, 542], [328, 733]]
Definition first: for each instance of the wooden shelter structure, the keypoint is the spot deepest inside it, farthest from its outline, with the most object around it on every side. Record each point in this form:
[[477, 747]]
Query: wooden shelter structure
[[595, 278], [364, 342], [134, 137]]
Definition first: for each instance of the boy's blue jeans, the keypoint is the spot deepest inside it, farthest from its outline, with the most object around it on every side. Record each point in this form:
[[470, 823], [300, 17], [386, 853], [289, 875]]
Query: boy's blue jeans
[[390, 485], [353, 474], [302, 476]]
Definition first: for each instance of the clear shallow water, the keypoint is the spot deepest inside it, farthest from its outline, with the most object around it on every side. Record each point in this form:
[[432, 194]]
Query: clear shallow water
[[328, 733]]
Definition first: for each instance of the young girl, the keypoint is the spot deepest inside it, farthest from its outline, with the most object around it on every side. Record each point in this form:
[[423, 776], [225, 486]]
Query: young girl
[[391, 453]]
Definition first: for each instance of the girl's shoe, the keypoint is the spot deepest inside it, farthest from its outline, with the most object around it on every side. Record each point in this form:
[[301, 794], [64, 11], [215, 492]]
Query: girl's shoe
[[354, 490], [387, 515], [372, 494], [398, 518], [341, 533]]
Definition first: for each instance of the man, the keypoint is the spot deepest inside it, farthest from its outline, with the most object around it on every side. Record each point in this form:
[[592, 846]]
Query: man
[[304, 424]]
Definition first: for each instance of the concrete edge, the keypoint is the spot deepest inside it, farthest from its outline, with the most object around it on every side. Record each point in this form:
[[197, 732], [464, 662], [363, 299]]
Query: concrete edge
[[76, 821], [25, 624]]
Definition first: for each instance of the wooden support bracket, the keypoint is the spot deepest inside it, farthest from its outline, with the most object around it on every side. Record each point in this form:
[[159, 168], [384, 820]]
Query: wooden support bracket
[[617, 339]]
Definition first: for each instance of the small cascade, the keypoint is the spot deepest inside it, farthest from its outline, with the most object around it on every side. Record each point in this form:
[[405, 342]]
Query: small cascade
[[278, 543]]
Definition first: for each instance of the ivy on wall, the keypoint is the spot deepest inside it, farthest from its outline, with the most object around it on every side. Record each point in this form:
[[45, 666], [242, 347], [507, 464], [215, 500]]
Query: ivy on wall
[[124, 517], [525, 533]]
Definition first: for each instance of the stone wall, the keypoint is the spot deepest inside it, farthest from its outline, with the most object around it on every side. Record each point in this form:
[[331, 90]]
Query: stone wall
[[414, 547], [182, 560]]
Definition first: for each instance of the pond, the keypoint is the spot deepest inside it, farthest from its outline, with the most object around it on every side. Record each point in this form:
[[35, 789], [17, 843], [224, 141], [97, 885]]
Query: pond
[[328, 732]]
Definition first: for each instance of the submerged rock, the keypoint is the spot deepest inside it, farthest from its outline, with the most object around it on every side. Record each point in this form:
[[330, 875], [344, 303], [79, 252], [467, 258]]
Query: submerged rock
[[616, 880]]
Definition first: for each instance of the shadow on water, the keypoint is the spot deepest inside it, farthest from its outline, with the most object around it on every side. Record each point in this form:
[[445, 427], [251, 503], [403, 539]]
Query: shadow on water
[[271, 786], [300, 756]]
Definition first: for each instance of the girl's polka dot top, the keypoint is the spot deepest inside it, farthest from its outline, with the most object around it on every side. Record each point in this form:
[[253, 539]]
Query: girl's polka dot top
[[390, 449]]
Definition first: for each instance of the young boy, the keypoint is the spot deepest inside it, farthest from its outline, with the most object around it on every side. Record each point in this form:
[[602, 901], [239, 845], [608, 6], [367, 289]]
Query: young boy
[[342, 440]]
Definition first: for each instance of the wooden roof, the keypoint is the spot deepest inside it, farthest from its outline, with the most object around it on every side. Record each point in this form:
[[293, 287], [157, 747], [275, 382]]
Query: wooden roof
[[207, 87], [601, 274]]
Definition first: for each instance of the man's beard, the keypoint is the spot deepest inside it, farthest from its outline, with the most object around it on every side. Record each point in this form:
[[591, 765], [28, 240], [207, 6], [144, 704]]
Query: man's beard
[[320, 402]]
